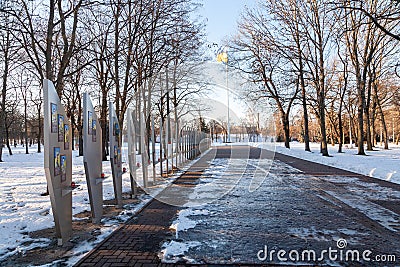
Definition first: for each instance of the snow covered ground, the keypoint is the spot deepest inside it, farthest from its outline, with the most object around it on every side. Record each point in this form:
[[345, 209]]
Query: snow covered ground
[[23, 210], [380, 163]]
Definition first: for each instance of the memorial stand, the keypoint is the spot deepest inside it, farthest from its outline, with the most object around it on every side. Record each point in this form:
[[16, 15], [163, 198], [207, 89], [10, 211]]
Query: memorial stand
[[58, 161], [115, 133], [132, 151], [92, 158]]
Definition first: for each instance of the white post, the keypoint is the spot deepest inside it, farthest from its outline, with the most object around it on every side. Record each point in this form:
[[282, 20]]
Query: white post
[[176, 142], [167, 135], [144, 150], [153, 148], [132, 151], [181, 148], [162, 148]]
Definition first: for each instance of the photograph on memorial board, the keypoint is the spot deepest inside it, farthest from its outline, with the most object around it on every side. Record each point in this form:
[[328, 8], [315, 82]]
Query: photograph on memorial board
[[94, 131], [57, 161], [119, 157], [66, 136], [63, 168], [117, 131], [60, 128], [90, 122], [54, 126], [116, 127], [115, 154]]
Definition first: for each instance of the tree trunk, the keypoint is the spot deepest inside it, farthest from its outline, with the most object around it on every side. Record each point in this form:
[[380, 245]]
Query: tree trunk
[[332, 135], [26, 125], [360, 116], [305, 113], [286, 129], [385, 131], [3, 114], [322, 122], [373, 128], [80, 126], [324, 142], [368, 130], [322, 88], [39, 149], [8, 140], [360, 131], [49, 42], [73, 128], [103, 124], [367, 116], [341, 139]]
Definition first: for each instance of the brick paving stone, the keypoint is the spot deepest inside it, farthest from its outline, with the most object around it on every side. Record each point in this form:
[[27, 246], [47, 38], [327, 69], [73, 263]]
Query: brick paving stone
[[137, 242]]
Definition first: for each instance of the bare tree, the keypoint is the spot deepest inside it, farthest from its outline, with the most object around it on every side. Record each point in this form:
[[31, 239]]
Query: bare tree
[[9, 53], [317, 23], [385, 19], [362, 41], [260, 49], [288, 13], [48, 38]]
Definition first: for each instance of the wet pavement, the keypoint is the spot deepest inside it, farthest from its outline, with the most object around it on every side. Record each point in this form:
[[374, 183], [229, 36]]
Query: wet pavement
[[246, 206]]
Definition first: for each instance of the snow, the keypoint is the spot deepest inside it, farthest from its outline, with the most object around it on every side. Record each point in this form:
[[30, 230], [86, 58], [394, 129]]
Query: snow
[[183, 222], [173, 250], [380, 163], [23, 210]]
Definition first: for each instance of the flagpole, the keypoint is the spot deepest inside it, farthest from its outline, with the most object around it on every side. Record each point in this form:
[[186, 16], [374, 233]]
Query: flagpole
[[223, 57], [227, 91]]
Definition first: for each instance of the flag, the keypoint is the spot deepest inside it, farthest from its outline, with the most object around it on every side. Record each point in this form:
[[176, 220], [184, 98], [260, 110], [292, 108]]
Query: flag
[[222, 57]]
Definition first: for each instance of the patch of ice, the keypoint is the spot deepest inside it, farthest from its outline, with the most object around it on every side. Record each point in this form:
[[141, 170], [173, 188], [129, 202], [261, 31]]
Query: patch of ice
[[183, 222], [174, 251]]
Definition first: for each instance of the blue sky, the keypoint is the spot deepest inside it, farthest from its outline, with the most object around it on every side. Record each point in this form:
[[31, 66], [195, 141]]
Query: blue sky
[[222, 17]]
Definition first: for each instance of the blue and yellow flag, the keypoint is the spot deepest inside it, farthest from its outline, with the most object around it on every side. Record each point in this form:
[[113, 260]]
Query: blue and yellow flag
[[222, 57]]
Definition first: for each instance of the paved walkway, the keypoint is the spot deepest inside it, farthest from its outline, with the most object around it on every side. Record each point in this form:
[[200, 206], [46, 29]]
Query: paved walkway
[[138, 241], [310, 194]]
